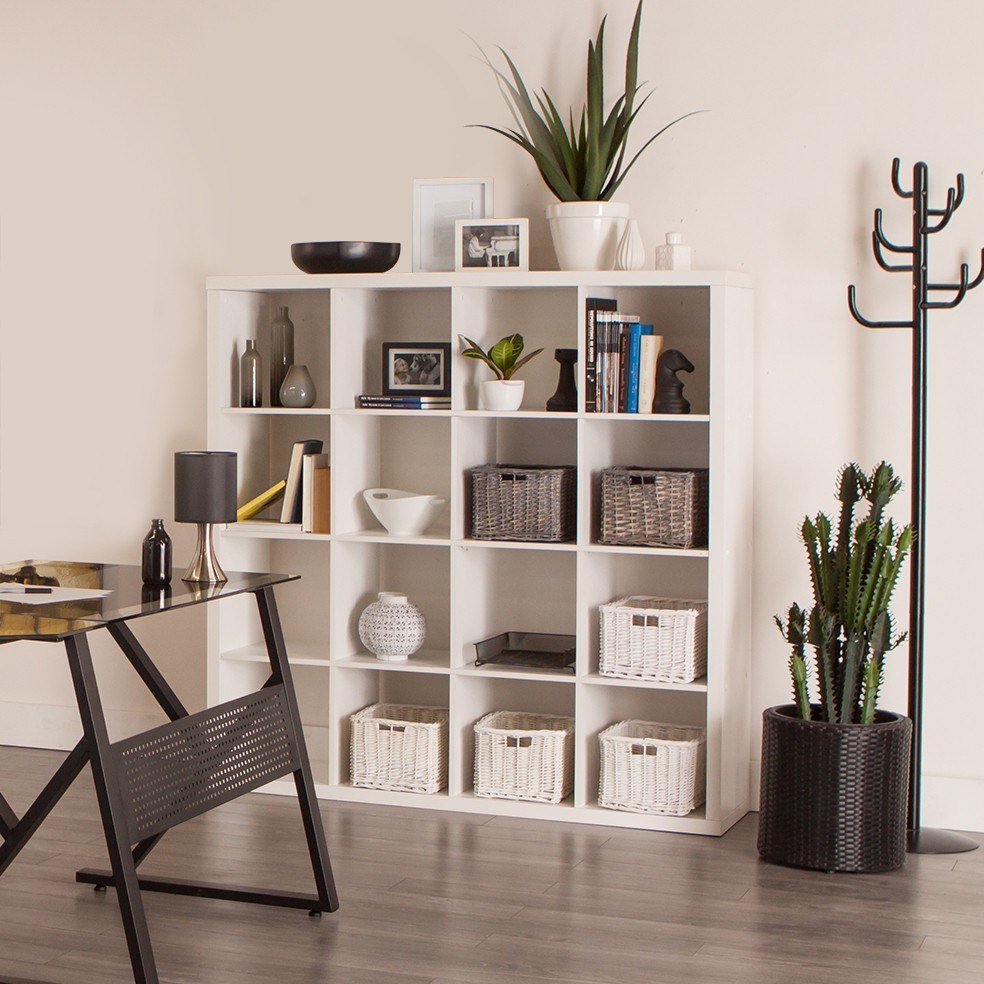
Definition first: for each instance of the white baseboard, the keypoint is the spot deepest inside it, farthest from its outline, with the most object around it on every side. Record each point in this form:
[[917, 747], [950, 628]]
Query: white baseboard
[[51, 726], [948, 802]]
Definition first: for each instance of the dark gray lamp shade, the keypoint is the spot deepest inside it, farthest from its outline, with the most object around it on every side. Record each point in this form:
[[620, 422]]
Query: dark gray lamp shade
[[205, 486]]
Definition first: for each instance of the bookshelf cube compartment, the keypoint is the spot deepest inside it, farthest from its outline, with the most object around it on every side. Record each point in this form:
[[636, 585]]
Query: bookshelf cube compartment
[[354, 688], [546, 318], [364, 318], [410, 452], [361, 570], [475, 696], [502, 589]]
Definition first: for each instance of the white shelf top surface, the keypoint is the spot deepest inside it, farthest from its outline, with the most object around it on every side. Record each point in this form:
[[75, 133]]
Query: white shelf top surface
[[483, 278]]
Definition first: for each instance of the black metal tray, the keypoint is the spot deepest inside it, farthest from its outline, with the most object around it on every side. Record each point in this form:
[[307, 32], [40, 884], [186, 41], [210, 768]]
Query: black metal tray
[[537, 650]]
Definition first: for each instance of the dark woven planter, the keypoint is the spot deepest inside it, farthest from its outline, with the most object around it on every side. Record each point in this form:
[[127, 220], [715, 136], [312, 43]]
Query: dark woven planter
[[833, 796]]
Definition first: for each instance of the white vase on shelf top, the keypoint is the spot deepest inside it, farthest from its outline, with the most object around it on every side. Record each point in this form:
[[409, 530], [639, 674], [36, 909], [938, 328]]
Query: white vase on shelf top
[[631, 252], [392, 628], [674, 255], [586, 234]]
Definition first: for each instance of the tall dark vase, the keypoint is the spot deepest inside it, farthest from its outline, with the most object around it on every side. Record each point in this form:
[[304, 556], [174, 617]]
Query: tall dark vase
[[833, 796], [565, 396]]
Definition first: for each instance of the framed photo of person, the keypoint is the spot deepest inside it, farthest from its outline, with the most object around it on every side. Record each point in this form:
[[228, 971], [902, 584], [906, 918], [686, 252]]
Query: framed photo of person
[[437, 204], [416, 368], [493, 244]]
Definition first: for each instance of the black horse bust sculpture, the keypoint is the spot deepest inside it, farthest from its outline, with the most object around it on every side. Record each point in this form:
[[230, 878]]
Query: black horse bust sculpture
[[669, 389]]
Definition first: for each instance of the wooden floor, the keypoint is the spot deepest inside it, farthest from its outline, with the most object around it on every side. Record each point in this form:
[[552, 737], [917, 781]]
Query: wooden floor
[[437, 898]]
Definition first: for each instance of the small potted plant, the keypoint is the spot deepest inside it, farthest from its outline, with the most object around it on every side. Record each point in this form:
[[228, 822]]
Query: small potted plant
[[835, 772], [504, 359], [583, 164]]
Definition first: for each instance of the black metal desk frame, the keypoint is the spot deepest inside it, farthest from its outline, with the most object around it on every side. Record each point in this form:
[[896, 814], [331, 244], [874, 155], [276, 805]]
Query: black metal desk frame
[[153, 781]]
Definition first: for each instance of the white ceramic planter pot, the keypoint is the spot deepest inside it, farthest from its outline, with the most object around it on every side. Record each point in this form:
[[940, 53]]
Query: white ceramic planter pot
[[501, 394], [403, 513], [586, 234]]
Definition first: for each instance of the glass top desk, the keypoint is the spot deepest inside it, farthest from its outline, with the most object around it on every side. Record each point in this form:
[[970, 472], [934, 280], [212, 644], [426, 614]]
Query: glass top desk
[[153, 781]]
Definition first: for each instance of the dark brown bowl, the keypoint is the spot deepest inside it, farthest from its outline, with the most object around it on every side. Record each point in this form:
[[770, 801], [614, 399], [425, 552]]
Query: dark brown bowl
[[345, 257]]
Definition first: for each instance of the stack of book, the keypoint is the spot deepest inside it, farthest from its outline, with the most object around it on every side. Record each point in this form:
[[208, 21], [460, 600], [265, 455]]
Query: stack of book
[[304, 495], [368, 401], [620, 359]]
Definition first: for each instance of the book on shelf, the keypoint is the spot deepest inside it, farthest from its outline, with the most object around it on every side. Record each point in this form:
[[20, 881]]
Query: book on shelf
[[649, 348], [249, 509], [634, 365], [611, 325], [368, 401], [592, 305], [312, 463], [321, 520], [267, 526], [290, 511]]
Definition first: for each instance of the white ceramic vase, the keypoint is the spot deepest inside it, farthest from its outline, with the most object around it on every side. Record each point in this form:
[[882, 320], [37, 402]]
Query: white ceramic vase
[[586, 234], [501, 394], [631, 252], [392, 628]]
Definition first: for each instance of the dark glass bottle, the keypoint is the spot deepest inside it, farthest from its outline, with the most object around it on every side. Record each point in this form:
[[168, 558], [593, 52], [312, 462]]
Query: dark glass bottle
[[156, 555], [250, 377], [281, 353]]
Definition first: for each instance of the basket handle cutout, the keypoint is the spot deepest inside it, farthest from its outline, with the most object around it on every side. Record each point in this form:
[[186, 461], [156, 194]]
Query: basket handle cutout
[[513, 477], [647, 621], [524, 741], [642, 480], [644, 749], [391, 727]]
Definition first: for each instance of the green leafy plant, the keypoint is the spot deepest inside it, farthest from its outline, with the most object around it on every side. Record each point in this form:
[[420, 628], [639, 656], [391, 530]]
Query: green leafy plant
[[503, 358], [586, 162], [849, 627]]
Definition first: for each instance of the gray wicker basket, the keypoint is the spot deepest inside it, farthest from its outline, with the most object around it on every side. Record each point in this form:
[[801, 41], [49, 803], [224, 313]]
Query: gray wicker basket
[[523, 502], [654, 507]]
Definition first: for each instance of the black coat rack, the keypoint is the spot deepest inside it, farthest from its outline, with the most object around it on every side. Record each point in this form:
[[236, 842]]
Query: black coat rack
[[926, 222]]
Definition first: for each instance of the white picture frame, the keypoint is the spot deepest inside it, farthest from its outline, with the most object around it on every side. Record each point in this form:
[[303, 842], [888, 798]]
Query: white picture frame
[[437, 204], [492, 244]]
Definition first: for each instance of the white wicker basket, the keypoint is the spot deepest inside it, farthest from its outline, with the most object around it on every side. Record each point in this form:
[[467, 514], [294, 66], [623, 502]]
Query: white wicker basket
[[398, 747], [652, 768], [524, 756], [654, 639]]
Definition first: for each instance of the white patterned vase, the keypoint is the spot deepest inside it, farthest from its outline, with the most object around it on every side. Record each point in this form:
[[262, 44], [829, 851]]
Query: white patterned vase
[[631, 252], [392, 628]]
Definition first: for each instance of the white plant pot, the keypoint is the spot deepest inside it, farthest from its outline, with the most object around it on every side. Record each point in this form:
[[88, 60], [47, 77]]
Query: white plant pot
[[501, 394], [586, 234]]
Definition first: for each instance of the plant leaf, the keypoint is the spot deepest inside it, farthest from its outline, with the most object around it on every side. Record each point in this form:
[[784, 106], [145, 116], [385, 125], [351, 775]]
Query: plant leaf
[[522, 362], [505, 352]]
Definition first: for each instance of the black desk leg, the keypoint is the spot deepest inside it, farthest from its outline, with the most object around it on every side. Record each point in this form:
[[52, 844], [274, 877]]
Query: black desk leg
[[111, 807], [303, 780]]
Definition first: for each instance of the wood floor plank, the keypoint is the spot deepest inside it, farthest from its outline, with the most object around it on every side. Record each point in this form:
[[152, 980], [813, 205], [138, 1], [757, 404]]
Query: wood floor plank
[[435, 898]]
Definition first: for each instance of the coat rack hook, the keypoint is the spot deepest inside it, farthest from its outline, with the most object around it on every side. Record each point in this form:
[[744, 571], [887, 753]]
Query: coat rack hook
[[895, 180], [890, 267], [861, 320], [976, 282], [879, 233], [961, 292]]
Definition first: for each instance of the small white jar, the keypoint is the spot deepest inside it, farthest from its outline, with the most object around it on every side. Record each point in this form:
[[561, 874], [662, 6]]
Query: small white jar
[[674, 255]]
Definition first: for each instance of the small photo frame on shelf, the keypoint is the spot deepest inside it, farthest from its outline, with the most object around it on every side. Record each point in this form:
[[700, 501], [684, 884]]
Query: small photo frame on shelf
[[437, 204], [492, 244], [417, 369]]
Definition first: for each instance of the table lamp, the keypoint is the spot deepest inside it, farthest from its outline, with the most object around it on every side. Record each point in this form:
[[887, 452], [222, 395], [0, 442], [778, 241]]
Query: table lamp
[[205, 493]]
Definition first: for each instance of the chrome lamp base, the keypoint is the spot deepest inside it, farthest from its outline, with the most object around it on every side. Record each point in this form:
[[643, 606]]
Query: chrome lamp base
[[205, 566]]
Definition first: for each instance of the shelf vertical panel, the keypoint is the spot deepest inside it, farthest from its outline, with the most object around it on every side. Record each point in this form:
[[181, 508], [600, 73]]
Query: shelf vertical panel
[[730, 555]]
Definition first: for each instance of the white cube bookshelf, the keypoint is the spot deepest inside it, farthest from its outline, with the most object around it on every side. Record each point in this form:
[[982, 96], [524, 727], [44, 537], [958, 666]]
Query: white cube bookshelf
[[470, 590]]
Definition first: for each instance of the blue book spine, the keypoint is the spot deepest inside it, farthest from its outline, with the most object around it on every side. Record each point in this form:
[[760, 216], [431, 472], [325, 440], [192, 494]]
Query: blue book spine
[[635, 347]]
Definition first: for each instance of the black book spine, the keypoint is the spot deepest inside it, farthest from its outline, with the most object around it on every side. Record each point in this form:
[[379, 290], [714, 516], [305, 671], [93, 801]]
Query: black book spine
[[623, 369]]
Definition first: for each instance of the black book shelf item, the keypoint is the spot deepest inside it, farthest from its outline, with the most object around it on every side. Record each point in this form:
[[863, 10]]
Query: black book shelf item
[[534, 650], [926, 222]]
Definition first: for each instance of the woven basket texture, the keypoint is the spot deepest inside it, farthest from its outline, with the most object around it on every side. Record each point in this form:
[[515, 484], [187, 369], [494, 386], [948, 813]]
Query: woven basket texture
[[400, 747], [653, 507], [648, 767], [524, 756], [523, 502], [657, 639], [834, 796]]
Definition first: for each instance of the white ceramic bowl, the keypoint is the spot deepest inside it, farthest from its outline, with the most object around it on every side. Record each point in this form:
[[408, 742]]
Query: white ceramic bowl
[[404, 513]]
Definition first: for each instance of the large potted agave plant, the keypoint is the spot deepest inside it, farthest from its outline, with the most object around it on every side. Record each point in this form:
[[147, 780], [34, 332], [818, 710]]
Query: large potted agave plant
[[583, 164], [835, 770]]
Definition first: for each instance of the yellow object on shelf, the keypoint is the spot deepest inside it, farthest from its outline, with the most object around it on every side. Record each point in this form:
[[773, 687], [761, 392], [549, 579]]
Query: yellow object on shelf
[[264, 499]]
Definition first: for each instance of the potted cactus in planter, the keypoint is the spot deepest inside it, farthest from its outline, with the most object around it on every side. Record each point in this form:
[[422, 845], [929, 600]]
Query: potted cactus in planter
[[835, 770]]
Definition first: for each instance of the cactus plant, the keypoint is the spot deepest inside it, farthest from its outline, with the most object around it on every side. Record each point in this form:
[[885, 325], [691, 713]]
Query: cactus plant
[[849, 627]]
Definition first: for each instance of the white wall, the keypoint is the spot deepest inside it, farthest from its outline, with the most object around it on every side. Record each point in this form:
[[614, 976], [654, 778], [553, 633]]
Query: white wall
[[147, 145]]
